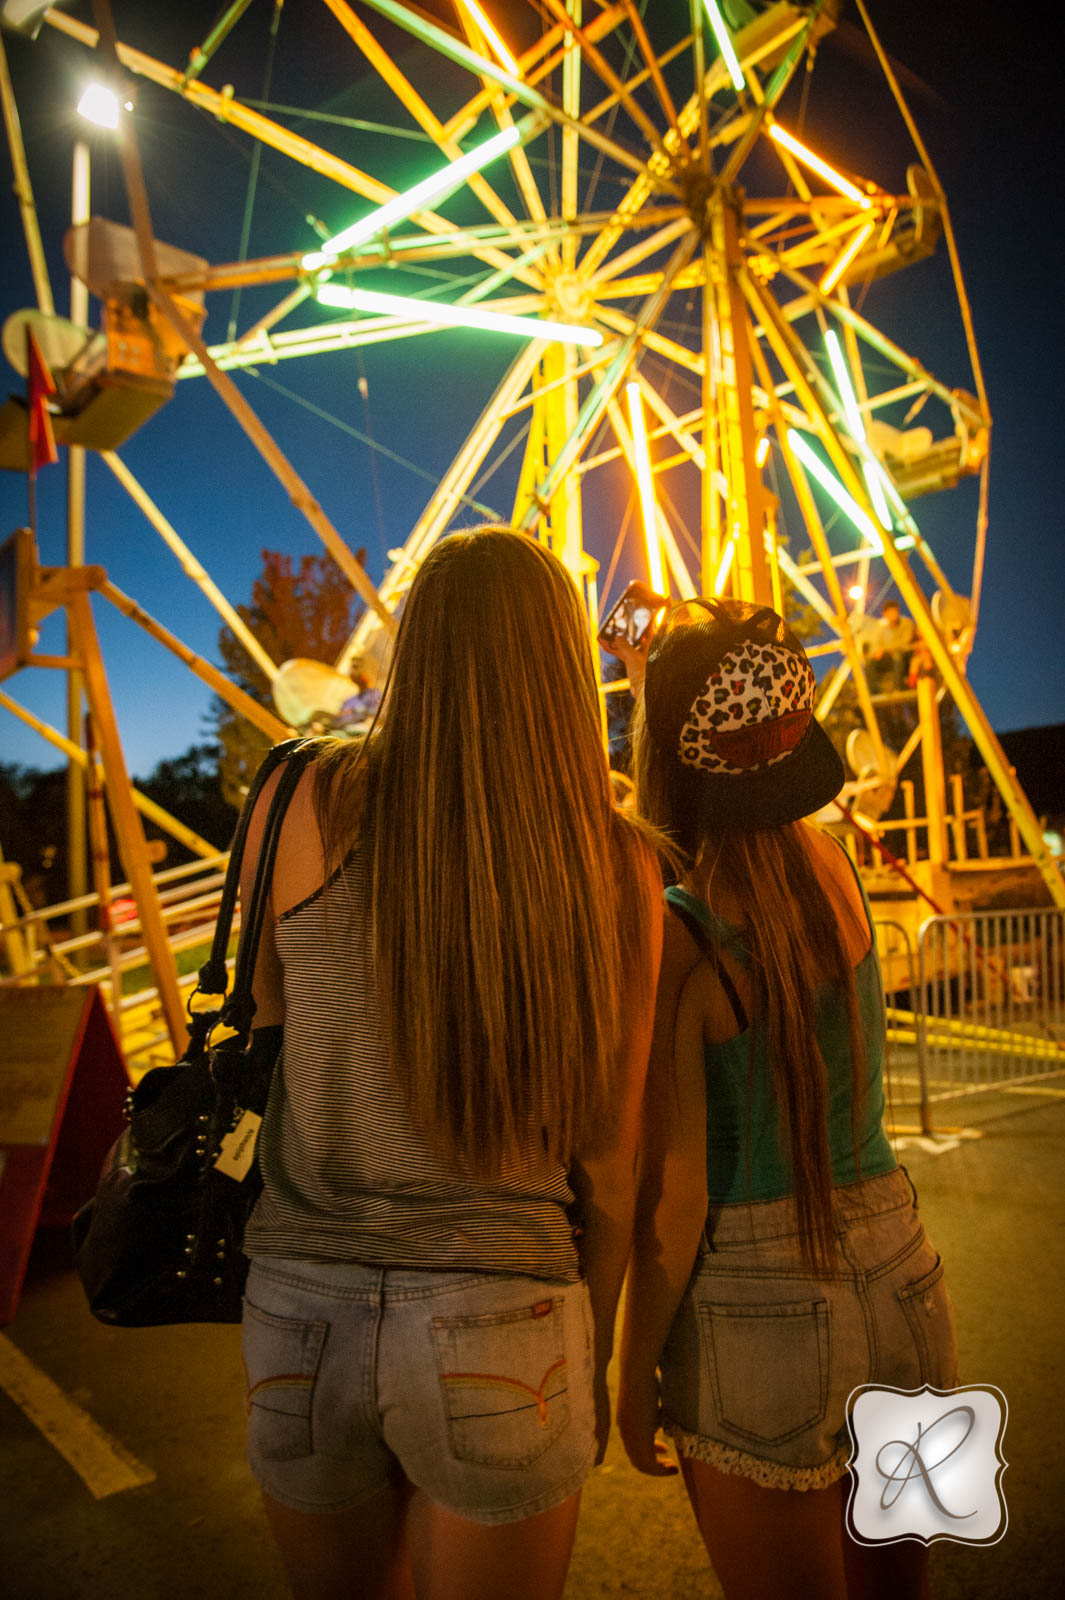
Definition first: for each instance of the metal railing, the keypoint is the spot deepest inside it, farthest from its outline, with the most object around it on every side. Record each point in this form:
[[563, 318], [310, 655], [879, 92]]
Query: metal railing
[[904, 1080], [188, 897], [991, 1001]]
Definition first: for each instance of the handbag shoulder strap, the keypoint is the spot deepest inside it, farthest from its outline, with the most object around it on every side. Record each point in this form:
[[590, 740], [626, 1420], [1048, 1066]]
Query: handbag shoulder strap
[[213, 977], [711, 954], [239, 1008]]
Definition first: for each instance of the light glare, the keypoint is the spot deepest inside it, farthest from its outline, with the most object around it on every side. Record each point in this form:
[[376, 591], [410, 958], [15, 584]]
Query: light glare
[[808, 159], [725, 565], [491, 35], [647, 493], [845, 257], [99, 105]]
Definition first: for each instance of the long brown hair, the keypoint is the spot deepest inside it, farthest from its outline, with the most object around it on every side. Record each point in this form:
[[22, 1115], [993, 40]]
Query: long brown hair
[[793, 930], [508, 891]]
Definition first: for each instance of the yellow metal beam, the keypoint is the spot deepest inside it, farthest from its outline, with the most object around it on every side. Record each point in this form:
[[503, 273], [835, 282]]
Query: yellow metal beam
[[127, 823]]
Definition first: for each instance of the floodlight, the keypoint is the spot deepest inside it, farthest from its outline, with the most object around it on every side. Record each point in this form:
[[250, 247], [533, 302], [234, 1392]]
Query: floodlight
[[99, 104]]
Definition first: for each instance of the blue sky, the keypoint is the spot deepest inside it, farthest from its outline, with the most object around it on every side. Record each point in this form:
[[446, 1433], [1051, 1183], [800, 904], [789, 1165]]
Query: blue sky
[[211, 484]]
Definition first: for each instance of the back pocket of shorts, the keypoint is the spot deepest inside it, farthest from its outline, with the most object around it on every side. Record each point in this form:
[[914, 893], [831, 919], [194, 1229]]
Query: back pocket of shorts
[[281, 1360], [768, 1367], [931, 1319], [504, 1383]]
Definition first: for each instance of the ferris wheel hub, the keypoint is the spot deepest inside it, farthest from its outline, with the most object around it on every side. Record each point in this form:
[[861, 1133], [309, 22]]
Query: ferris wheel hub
[[570, 297]]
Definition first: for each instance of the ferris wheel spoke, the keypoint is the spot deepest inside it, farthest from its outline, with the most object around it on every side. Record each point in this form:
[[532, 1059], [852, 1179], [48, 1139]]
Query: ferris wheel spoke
[[519, 161], [606, 73], [419, 110], [662, 531], [455, 50], [595, 403], [679, 354], [652, 65], [878, 341], [811, 390], [639, 252], [767, 101], [448, 495], [534, 65]]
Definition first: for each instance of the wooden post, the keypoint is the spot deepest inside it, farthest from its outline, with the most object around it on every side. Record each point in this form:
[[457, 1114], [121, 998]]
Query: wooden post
[[19, 955], [911, 827], [101, 871], [127, 823], [957, 821], [932, 770]]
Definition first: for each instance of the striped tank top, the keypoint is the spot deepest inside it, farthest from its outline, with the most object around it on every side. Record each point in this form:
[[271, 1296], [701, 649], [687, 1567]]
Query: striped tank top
[[348, 1175]]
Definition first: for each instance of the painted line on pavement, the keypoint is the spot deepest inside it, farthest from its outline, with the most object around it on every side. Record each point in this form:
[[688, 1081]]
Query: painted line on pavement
[[104, 1466]]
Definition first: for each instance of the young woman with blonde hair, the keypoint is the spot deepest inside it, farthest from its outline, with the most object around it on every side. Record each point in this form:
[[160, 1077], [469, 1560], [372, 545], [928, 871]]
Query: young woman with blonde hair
[[779, 1260], [464, 959]]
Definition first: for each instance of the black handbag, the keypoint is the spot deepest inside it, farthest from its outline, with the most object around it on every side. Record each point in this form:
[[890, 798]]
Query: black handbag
[[161, 1240]]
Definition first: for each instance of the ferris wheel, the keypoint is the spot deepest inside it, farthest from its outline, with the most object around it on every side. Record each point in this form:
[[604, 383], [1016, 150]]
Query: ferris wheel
[[639, 202]]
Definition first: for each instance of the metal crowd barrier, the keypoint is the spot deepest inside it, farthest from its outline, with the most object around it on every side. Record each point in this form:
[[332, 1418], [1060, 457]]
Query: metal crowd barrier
[[903, 1069], [991, 1001]]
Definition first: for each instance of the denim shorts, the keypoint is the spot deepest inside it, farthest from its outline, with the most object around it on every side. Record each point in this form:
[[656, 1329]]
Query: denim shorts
[[477, 1387], [763, 1353]]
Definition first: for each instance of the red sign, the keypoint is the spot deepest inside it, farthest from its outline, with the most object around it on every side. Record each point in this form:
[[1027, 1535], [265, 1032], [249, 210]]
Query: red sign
[[63, 1085]]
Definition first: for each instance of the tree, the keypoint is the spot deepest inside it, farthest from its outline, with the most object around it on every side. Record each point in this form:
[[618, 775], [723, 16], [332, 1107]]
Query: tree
[[307, 611], [189, 787], [33, 829]]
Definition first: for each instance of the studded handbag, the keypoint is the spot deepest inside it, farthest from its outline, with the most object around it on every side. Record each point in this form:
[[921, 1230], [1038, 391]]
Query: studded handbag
[[161, 1240]]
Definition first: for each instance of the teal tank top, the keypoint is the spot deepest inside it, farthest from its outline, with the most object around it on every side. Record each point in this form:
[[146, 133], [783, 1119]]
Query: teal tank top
[[738, 1172]]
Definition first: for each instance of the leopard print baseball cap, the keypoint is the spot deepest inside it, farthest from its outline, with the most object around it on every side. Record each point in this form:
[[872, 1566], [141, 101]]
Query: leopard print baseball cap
[[729, 697]]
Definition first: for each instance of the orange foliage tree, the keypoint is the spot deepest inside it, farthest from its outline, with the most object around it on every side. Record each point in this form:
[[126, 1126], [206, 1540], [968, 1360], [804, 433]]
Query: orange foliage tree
[[297, 609]]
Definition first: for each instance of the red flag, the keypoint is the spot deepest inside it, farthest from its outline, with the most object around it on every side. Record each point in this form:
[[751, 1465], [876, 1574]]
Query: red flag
[[40, 385]]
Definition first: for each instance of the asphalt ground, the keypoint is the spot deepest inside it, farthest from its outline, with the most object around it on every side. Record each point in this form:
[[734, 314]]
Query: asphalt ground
[[121, 1451]]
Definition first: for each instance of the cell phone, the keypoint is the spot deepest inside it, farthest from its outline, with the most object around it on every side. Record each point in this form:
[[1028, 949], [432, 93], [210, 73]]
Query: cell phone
[[634, 618]]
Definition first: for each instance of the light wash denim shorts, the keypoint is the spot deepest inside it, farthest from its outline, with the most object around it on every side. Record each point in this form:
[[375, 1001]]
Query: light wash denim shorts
[[763, 1354], [475, 1386]]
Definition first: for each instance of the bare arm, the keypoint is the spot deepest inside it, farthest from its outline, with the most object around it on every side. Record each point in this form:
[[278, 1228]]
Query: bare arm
[[672, 1197], [605, 1185]]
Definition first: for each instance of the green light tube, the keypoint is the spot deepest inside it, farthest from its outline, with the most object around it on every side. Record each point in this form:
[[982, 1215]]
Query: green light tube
[[411, 200], [843, 384], [871, 469], [724, 44], [393, 305], [873, 473], [832, 486]]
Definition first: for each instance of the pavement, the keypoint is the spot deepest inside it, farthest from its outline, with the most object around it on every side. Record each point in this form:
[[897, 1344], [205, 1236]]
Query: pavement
[[121, 1451]]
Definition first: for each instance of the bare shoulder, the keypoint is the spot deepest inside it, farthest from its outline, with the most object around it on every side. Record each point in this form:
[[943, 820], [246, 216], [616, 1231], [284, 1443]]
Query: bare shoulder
[[681, 960], [298, 869]]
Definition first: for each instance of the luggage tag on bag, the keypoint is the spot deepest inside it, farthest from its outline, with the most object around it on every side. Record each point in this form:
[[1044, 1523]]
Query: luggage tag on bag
[[237, 1151]]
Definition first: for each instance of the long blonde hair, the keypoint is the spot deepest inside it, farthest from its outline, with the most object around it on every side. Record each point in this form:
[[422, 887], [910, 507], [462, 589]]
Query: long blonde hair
[[508, 891], [794, 933]]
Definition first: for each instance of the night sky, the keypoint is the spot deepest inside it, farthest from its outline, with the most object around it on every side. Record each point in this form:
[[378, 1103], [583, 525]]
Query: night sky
[[979, 101]]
